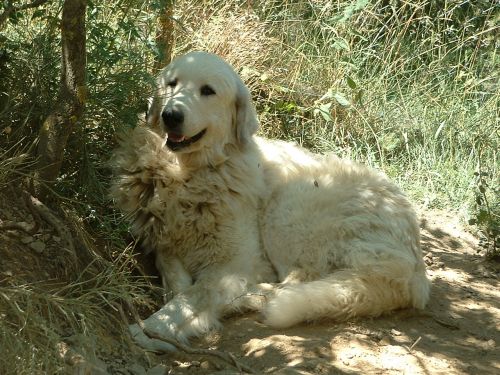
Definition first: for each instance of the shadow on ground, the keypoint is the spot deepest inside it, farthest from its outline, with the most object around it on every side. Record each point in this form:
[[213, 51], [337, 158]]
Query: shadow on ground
[[456, 334]]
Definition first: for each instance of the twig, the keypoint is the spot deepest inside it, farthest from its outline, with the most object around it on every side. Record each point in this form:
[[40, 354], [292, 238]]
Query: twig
[[226, 357], [11, 225], [446, 324], [45, 213], [11, 8], [414, 344]]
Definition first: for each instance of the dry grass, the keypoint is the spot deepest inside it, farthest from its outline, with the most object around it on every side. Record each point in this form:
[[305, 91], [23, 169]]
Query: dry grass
[[41, 319], [408, 87]]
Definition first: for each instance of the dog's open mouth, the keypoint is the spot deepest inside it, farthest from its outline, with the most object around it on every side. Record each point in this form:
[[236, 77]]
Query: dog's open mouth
[[176, 141]]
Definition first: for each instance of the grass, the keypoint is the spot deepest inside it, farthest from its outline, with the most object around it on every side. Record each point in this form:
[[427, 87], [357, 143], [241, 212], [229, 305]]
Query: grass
[[41, 319], [408, 87]]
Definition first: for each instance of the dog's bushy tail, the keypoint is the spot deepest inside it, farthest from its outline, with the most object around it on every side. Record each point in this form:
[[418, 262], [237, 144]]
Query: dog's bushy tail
[[349, 293]]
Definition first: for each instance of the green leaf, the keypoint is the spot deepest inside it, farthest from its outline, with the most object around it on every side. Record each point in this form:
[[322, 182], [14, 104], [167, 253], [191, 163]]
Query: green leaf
[[341, 99], [341, 44], [327, 95], [351, 83], [38, 13], [324, 111], [350, 10], [358, 96], [483, 217]]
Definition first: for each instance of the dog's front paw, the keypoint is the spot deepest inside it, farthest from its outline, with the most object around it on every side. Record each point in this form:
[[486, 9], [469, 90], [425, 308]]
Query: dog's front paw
[[177, 321], [148, 343]]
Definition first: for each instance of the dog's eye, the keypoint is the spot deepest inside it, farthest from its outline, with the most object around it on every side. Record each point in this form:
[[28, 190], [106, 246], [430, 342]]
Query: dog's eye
[[172, 83], [207, 90]]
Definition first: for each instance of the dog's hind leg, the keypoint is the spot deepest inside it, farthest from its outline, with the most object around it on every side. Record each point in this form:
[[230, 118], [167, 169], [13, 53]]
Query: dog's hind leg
[[368, 291]]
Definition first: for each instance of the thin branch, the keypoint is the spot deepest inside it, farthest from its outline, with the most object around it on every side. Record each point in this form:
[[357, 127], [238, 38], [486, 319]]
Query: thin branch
[[45, 213], [413, 345], [11, 225], [226, 357], [11, 8], [33, 4]]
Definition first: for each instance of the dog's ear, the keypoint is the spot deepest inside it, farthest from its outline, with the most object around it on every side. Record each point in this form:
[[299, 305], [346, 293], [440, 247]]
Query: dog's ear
[[246, 123]]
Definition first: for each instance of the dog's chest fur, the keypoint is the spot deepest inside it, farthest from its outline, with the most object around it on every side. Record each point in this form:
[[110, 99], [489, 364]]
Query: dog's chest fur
[[172, 210]]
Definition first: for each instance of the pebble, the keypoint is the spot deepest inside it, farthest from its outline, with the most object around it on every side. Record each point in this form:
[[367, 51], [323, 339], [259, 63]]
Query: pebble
[[395, 332], [157, 370], [490, 344], [38, 246], [27, 239], [386, 340], [205, 365], [137, 369]]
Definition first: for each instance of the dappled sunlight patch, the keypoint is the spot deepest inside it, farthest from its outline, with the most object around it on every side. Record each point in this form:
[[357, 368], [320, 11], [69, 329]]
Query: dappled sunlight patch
[[281, 343]]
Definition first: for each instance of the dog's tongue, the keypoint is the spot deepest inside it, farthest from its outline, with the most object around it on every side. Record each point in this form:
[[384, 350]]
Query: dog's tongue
[[174, 137]]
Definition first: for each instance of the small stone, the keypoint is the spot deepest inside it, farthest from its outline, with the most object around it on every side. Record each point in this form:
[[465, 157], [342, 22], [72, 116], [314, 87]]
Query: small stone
[[27, 239], [219, 366], [38, 246], [205, 365], [322, 352], [137, 369], [395, 332], [99, 367], [490, 344], [157, 370], [385, 341]]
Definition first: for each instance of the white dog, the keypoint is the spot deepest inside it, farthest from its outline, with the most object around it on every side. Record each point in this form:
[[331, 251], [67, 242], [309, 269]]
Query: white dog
[[239, 222]]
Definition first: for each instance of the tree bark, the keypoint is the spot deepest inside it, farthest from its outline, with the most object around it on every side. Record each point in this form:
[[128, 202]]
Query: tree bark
[[58, 126], [164, 34]]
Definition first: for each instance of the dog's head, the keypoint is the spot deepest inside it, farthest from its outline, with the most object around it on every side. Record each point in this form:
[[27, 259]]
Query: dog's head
[[202, 103]]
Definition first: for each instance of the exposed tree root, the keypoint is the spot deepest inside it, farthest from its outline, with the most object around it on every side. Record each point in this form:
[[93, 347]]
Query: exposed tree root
[[224, 356], [39, 210]]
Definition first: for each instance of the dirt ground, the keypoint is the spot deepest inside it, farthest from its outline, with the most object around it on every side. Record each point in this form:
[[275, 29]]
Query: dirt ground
[[458, 333]]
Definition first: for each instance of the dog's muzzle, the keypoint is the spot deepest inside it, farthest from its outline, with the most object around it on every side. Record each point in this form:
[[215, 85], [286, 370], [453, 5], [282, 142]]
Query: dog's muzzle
[[176, 142]]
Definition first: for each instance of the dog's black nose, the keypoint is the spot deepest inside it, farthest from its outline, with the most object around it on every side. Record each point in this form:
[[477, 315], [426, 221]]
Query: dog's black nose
[[172, 117]]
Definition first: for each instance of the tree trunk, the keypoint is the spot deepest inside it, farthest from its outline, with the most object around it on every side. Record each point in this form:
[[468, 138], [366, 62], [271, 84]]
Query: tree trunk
[[58, 126], [164, 34]]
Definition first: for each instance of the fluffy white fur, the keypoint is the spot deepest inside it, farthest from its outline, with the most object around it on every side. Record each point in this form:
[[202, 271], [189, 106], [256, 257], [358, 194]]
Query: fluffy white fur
[[240, 222]]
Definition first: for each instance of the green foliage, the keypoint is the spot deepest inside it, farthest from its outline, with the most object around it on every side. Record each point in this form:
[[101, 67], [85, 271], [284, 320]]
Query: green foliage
[[410, 87], [487, 212]]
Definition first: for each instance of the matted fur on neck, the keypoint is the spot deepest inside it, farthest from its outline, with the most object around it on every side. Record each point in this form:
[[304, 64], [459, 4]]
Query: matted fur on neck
[[163, 195]]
